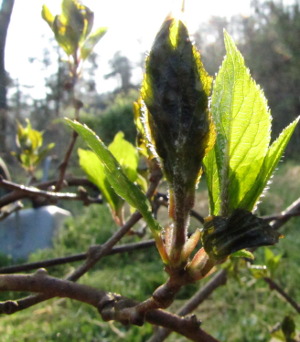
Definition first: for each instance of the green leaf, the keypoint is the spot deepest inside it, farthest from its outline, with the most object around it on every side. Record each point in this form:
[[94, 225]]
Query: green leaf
[[126, 154], [116, 176], [78, 18], [47, 15], [44, 152], [243, 253], [243, 124], [72, 26], [94, 169], [213, 178], [272, 260], [241, 162], [270, 162], [91, 42]]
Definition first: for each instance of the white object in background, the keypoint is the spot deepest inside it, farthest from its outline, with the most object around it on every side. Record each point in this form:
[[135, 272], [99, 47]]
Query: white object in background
[[28, 230]]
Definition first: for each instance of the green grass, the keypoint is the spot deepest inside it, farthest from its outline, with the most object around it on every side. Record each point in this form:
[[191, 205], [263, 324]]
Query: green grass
[[244, 310]]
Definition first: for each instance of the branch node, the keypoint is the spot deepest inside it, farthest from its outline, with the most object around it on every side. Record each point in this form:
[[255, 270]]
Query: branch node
[[106, 306], [9, 307], [194, 321], [41, 272]]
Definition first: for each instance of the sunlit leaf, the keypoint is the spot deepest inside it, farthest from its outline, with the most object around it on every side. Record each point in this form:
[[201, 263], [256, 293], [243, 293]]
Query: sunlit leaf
[[30, 146], [241, 162], [141, 121], [94, 169], [47, 15], [126, 154], [243, 253], [116, 176], [270, 162], [78, 18], [91, 42], [72, 26]]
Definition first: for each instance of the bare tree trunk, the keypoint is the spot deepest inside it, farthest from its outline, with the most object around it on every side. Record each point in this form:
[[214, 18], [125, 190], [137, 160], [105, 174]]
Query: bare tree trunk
[[5, 14]]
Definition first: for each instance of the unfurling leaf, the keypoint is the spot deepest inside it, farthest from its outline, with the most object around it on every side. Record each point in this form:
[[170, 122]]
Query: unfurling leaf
[[47, 15], [30, 147], [72, 28], [241, 163], [175, 92], [141, 139], [223, 236]]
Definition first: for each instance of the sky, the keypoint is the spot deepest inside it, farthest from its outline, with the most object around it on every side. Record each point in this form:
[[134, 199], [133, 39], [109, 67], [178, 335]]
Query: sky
[[132, 26]]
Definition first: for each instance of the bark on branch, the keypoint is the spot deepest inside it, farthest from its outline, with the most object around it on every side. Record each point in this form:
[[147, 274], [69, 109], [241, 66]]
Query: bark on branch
[[109, 305]]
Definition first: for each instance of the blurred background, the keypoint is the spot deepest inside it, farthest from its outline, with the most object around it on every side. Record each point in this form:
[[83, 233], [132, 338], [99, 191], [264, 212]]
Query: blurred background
[[33, 85], [267, 33]]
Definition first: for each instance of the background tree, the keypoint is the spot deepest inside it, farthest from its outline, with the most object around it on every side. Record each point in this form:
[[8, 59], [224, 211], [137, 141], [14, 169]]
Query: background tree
[[121, 67], [5, 14], [268, 39]]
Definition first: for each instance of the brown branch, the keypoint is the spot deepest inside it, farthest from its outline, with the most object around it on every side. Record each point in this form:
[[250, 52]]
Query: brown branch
[[280, 217], [21, 191], [188, 327], [274, 286], [64, 164], [16, 195], [69, 181], [40, 282], [218, 280], [73, 258], [287, 214], [110, 306]]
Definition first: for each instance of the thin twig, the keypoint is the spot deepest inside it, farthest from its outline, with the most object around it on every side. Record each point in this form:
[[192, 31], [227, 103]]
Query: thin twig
[[64, 164], [280, 217], [73, 258], [274, 286], [287, 214], [16, 195], [33, 192]]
